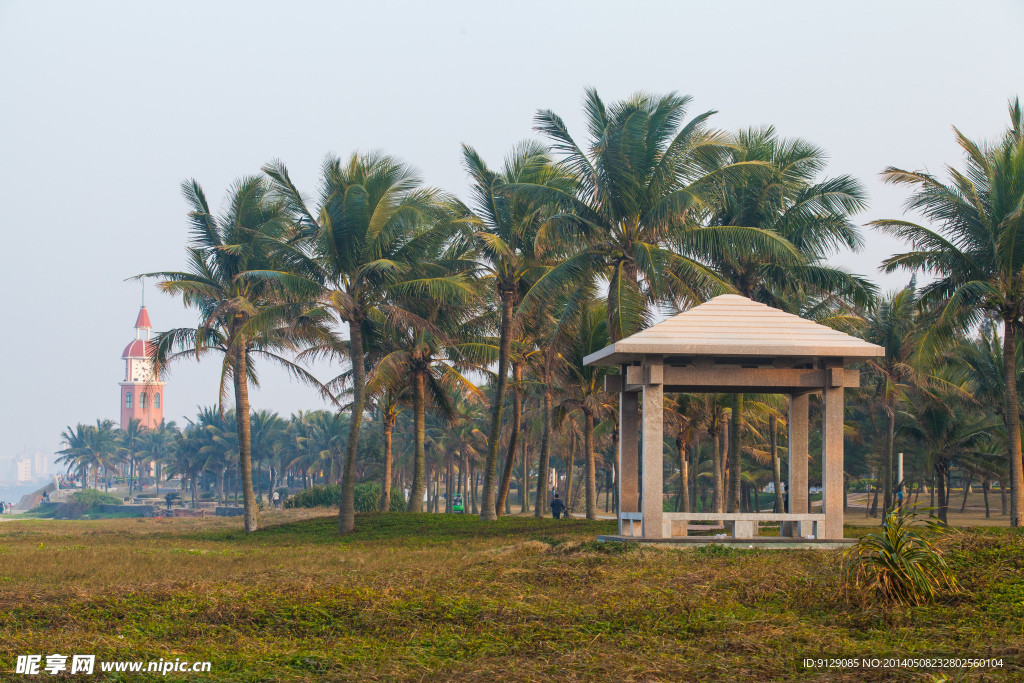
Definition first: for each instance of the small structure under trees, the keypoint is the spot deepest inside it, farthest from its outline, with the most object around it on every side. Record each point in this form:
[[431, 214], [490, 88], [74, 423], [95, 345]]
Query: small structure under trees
[[731, 344]]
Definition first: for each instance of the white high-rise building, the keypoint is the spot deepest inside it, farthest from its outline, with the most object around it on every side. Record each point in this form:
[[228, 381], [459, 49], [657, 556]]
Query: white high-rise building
[[40, 465], [24, 471]]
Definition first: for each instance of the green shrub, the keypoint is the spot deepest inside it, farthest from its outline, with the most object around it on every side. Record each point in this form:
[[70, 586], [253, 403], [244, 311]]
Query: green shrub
[[94, 497], [899, 564], [715, 550], [367, 497], [316, 497]]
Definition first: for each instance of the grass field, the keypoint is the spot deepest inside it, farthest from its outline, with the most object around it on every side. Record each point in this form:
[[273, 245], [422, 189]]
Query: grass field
[[445, 597]]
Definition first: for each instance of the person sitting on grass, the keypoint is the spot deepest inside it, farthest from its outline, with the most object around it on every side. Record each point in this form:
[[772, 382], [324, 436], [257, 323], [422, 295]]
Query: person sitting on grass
[[557, 507]]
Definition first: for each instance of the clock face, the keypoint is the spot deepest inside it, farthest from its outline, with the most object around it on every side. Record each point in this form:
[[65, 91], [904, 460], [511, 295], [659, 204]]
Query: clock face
[[142, 371]]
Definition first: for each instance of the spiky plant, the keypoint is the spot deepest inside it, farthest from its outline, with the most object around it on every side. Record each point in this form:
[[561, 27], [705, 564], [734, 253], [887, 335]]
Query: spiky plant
[[898, 563]]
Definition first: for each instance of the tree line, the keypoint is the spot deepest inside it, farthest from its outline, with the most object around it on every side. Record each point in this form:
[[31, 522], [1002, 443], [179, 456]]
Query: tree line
[[466, 320]]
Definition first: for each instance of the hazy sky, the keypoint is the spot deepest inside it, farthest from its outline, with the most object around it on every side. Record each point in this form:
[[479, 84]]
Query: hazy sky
[[106, 107]]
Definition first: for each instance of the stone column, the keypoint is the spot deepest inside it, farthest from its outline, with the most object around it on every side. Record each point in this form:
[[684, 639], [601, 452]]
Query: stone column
[[796, 481], [832, 450], [629, 464], [654, 454]]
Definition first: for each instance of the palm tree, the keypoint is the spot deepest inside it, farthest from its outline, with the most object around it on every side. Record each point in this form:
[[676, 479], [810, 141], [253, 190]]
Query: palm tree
[[90, 447], [131, 444], [214, 439], [372, 226], [633, 218], [972, 252], [248, 306], [266, 431], [893, 324], [784, 198], [389, 405], [186, 461], [158, 445], [329, 433], [689, 415], [584, 386], [505, 227], [431, 355], [947, 430]]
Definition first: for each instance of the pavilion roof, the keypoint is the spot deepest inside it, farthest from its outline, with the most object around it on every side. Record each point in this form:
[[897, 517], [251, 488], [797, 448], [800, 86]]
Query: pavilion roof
[[735, 326]]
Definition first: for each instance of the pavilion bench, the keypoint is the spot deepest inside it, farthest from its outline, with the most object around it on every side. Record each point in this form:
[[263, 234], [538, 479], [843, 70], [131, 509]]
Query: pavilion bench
[[744, 523]]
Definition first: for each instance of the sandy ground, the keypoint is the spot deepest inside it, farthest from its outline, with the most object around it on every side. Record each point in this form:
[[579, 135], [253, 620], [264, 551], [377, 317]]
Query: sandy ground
[[973, 515]]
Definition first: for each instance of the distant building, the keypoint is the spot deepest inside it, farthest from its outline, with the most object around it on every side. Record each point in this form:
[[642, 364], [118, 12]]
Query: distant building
[[24, 471], [40, 465], [142, 392]]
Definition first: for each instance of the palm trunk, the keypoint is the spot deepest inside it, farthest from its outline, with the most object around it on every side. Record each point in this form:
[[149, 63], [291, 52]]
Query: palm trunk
[[419, 400], [448, 483], [683, 504], [614, 493], [591, 481], [472, 487], [943, 500], [735, 480], [1012, 417], [890, 430], [569, 468], [525, 488], [385, 488], [773, 444], [437, 487], [463, 473], [694, 467], [577, 487], [513, 441], [347, 509], [984, 492], [241, 378], [967, 489], [218, 482], [487, 510], [540, 506], [716, 471]]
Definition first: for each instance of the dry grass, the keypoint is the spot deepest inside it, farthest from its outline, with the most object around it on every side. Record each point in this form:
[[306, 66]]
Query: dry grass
[[435, 597]]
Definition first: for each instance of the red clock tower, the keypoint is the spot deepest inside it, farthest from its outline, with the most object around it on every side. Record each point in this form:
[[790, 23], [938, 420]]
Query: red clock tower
[[142, 392]]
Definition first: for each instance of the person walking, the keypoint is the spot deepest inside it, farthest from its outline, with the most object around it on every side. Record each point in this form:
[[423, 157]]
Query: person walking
[[557, 507], [277, 498]]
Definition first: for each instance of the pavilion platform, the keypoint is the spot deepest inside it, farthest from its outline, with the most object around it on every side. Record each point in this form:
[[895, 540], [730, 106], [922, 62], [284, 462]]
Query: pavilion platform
[[757, 543]]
